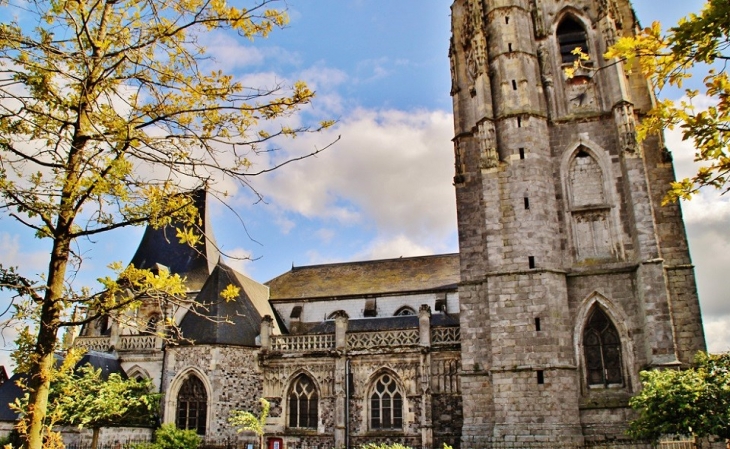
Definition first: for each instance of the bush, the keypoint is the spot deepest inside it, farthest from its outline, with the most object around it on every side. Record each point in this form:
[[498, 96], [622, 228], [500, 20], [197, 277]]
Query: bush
[[170, 437], [384, 446]]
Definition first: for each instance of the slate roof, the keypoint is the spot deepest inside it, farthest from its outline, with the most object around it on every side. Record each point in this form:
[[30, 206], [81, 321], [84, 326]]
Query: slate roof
[[9, 390], [406, 274], [209, 326], [161, 246]]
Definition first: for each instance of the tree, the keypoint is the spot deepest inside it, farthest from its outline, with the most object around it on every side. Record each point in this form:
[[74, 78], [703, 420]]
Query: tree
[[694, 401], [85, 399], [669, 60], [245, 421], [109, 117]]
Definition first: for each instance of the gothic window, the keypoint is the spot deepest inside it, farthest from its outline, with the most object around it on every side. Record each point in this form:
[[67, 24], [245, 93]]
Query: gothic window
[[590, 213], [571, 35], [386, 404], [192, 405], [405, 311], [303, 403], [602, 349]]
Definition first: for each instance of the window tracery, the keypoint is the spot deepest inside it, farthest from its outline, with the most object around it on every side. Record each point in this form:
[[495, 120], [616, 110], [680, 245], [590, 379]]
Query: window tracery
[[192, 405], [602, 350], [386, 404], [303, 403]]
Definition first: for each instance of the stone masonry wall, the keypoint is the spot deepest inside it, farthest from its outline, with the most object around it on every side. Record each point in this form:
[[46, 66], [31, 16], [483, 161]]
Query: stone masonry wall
[[231, 375]]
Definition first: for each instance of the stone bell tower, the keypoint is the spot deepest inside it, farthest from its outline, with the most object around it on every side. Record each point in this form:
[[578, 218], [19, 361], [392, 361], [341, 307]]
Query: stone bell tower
[[573, 276]]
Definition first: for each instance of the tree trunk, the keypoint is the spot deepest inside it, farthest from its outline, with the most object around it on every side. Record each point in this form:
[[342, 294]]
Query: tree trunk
[[94, 438], [42, 365]]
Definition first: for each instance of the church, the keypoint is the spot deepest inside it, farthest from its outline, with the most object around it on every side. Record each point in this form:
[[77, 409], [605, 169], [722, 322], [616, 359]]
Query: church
[[571, 276]]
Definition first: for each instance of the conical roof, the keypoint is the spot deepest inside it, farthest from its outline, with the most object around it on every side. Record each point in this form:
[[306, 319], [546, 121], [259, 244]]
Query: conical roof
[[162, 247], [235, 322]]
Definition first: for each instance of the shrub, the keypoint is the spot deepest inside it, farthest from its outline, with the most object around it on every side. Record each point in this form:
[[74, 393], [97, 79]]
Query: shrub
[[170, 437]]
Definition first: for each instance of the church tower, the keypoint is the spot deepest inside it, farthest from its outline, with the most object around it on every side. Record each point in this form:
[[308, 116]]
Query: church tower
[[574, 277]]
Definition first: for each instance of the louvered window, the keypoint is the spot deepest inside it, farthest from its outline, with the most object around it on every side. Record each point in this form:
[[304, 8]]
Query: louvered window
[[571, 35]]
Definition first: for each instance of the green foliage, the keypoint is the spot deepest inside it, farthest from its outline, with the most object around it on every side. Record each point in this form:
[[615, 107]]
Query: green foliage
[[245, 421], [85, 399], [387, 446], [695, 401], [668, 59], [170, 437]]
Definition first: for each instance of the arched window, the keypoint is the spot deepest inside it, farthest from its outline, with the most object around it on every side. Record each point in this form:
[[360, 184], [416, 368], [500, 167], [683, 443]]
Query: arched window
[[602, 348], [192, 405], [571, 35], [386, 404], [586, 180], [303, 403], [405, 311]]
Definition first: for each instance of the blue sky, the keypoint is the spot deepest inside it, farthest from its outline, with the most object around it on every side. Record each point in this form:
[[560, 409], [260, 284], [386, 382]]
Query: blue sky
[[380, 68]]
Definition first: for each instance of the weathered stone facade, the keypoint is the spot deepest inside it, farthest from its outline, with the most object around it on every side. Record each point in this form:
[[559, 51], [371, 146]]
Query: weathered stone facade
[[565, 226]]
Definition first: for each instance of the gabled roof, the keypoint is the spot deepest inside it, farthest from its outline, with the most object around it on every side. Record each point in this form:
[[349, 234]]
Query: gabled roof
[[406, 274], [236, 322], [161, 246]]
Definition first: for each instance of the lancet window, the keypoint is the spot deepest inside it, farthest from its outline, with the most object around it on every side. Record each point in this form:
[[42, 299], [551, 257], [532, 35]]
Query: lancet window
[[192, 405], [602, 349], [303, 403], [386, 404]]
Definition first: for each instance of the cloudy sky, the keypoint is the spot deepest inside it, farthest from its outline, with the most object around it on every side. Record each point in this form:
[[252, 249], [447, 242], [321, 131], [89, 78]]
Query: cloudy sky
[[380, 68]]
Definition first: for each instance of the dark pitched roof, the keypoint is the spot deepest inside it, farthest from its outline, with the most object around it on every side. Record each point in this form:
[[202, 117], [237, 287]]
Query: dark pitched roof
[[161, 246], [407, 274], [236, 322], [10, 391]]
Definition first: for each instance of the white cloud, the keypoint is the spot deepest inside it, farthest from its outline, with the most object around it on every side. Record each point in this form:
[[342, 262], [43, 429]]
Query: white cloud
[[706, 217], [238, 259], [391, 168], [394, 247]]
